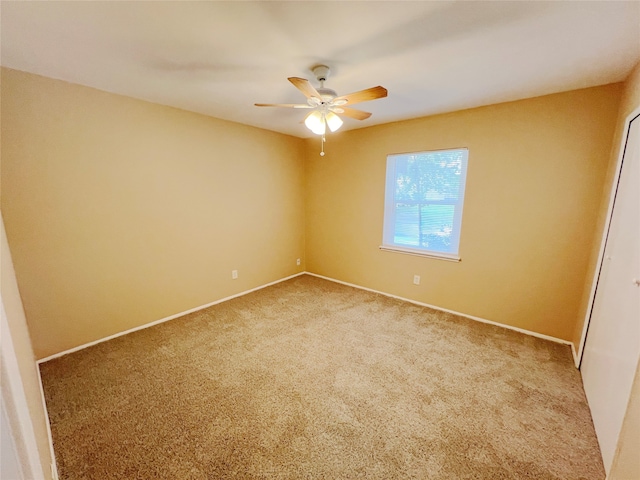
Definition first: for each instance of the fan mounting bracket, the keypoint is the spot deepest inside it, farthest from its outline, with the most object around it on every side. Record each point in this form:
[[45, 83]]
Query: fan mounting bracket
[[321, 72]]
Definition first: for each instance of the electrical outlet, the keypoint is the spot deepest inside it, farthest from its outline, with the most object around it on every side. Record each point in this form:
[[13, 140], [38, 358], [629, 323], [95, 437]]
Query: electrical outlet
[[234, 274], [298, 262], [416, 279]]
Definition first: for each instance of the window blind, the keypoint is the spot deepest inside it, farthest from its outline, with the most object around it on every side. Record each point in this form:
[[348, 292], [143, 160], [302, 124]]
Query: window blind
[[424, 196]]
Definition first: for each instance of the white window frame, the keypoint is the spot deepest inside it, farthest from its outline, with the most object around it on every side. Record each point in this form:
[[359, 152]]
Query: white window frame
[[388, 230]]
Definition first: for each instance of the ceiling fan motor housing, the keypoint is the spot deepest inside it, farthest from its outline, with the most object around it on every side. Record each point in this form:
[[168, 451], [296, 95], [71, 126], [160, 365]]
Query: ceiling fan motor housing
[[327, 94]]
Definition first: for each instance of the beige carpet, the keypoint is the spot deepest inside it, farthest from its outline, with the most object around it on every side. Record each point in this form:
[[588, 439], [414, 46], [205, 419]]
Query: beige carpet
[[309, 379]]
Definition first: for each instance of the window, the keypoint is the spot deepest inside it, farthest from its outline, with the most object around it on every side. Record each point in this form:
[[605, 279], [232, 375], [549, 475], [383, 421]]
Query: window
[[423, 202]]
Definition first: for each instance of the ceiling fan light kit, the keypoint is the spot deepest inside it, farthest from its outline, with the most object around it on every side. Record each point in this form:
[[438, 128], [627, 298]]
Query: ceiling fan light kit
[[333, 121], [315, 122], [326, 103]]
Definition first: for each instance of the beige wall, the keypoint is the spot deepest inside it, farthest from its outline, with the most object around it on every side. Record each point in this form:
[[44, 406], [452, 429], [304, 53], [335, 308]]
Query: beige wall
[[120, 212], [535, 176], [26, 363]]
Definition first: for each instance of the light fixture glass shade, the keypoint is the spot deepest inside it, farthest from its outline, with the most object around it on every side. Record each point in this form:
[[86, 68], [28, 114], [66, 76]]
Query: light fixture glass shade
[[334, 121], [315, 123]]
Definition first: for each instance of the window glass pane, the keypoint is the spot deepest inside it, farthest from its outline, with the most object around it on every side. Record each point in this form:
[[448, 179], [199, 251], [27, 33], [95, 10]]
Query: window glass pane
[[406, 231], [437, 226], [429, 176]]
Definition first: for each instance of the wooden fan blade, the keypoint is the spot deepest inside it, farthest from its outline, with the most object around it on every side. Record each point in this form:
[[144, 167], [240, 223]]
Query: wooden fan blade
[[287, 105], [362, 96], [353, 113], [305, 87]]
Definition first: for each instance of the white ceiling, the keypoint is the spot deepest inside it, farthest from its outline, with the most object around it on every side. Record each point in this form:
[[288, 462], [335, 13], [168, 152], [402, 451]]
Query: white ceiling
[[219, 58]]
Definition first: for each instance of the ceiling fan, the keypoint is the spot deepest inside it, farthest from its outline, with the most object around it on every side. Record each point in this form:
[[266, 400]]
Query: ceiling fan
[[326, 104]]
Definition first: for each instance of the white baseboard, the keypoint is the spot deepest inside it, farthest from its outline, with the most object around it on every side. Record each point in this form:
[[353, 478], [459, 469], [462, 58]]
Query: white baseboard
[[576, 359], [162, 320], [471, 317], [422, 304], [54, 463]]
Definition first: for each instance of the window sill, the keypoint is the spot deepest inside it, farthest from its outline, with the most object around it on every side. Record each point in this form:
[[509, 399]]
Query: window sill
[[417, 253]]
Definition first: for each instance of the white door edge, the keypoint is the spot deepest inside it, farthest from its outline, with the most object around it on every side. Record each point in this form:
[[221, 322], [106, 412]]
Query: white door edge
[[18, 402]]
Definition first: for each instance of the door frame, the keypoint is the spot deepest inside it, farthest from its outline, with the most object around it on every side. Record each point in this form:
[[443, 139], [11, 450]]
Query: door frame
[[605, 233], [14, 403]]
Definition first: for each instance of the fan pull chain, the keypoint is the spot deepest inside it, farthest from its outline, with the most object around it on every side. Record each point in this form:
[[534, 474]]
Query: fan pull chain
[[322, 143]]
